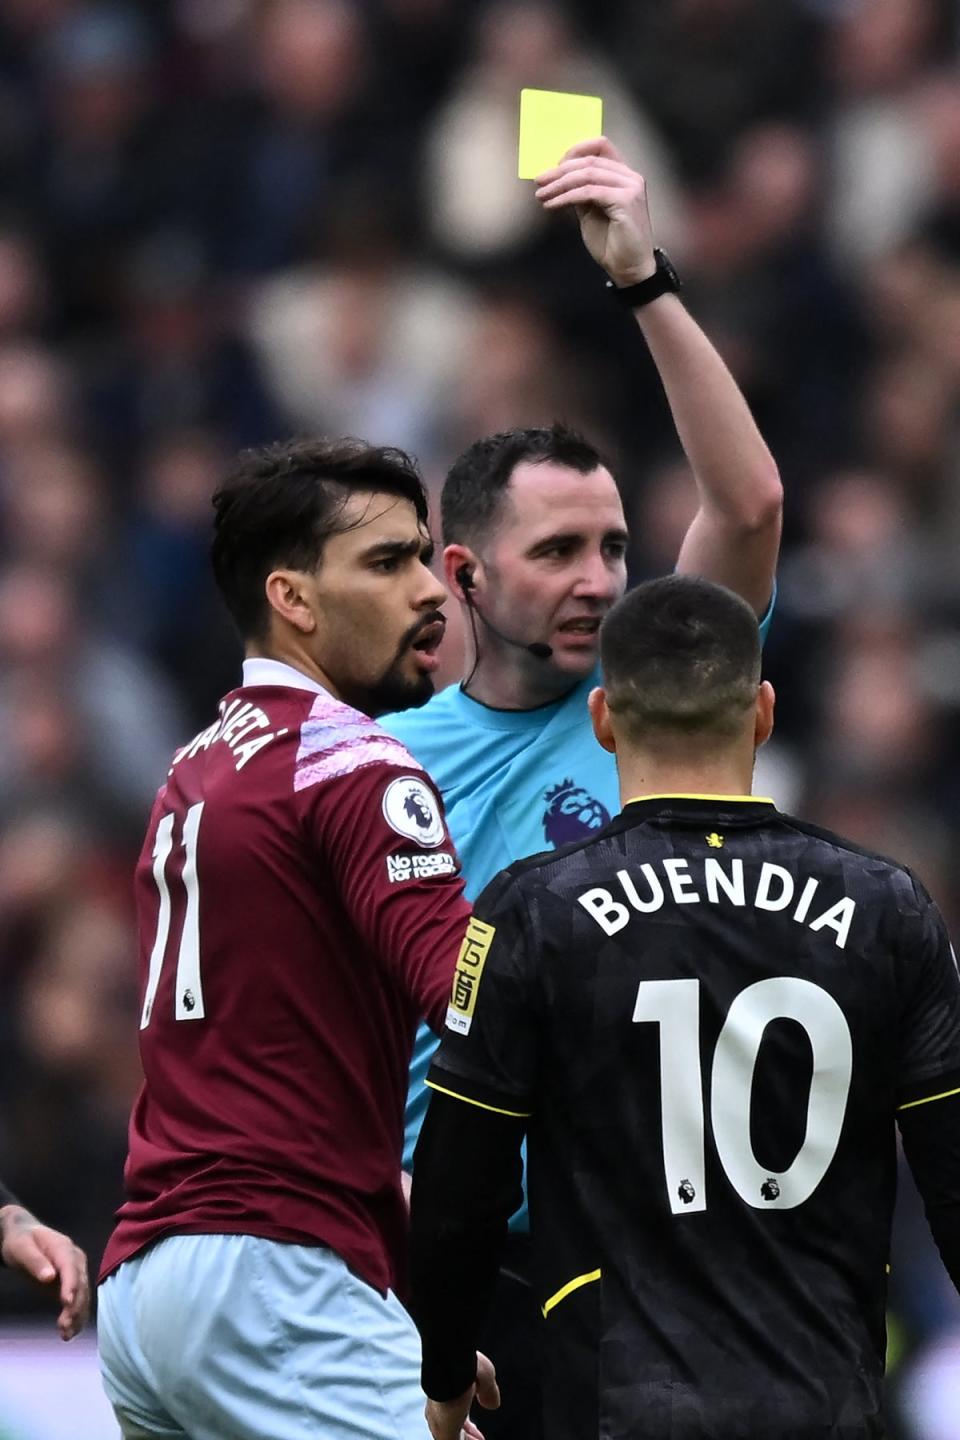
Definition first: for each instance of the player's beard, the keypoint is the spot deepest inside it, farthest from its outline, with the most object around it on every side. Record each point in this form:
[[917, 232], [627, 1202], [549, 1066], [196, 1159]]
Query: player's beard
[[395, 690]]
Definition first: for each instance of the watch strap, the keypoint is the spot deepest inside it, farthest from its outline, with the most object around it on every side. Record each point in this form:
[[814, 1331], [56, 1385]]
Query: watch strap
[[663, 281]]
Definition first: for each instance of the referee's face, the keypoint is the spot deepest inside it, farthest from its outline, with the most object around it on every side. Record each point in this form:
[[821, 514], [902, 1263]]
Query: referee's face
[[557, 562]]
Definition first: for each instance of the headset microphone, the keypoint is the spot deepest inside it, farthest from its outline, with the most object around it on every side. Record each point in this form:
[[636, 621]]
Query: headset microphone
[[538, 649]]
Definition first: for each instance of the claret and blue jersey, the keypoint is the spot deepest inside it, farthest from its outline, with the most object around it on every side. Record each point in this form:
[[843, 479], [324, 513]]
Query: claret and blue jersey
[[299, 906]]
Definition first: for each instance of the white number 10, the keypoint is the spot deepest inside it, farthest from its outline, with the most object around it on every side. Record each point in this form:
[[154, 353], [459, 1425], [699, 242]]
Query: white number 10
[[187, 986], [675, 1006]]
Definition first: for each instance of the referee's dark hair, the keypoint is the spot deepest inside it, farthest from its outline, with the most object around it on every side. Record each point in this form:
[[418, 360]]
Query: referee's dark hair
[[681, 660], [281, 502], [474, 490]]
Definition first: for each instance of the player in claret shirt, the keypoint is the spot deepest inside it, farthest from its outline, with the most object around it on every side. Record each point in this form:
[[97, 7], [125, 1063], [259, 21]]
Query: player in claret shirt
[[300, 909], [710, 1018]]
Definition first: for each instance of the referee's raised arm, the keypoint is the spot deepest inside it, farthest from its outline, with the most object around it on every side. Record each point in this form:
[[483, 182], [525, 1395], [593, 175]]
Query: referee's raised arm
[[734, 538]]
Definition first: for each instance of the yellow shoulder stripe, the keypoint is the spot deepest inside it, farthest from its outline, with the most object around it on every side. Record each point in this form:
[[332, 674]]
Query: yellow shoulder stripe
[[568, 1289], [926, 1101], [514, 1114]]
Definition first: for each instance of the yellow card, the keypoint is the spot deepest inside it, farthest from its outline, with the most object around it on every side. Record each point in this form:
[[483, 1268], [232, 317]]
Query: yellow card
[[550, 122]]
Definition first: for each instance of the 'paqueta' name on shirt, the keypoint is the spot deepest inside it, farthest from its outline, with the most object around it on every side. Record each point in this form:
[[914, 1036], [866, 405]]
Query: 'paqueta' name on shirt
[[238, 721], [775, 888]]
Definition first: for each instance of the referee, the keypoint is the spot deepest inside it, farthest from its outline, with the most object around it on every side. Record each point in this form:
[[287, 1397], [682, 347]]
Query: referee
[[707, 1020]]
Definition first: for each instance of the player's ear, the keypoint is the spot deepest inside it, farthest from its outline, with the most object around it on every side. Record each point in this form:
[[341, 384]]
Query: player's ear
[[460, 567], [763, 724], [286, 592], [600, 718]]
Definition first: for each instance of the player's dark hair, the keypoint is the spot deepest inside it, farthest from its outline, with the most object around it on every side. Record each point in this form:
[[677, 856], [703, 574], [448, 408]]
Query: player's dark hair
[[473, 492], [280, 503], [680, 658]]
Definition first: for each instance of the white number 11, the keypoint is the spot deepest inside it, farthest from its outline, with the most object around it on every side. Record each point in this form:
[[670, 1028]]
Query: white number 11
[[187, 986], [675, 1006]]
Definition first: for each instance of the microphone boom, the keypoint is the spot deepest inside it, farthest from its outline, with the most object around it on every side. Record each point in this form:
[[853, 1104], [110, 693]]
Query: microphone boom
[[539, 649]]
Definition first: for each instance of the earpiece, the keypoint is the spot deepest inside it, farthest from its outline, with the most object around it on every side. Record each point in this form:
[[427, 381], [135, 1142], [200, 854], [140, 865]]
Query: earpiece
[[464, 578]]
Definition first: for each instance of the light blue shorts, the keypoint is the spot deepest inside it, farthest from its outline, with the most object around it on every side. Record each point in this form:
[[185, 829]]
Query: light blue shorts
[[228, 1337]]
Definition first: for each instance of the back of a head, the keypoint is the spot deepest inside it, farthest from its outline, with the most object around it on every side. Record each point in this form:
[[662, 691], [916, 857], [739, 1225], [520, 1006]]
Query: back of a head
[[681, 662], [475, 487], [280, 503]]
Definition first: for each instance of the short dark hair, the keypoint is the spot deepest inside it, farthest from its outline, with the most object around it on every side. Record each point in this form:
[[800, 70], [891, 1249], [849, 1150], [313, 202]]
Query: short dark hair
[[473, 491], [680, 658], [281, 502]]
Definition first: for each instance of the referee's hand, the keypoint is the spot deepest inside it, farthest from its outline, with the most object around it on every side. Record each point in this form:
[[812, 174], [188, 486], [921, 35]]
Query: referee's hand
[[449, 1419], [610, 201]]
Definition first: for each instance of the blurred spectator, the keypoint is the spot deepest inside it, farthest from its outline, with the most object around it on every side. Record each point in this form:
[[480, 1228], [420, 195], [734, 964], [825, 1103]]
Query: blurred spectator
[[878, 723], [164, 599], [54, 508], [101, 166], [884, 172], [128, 721], [659, 516], [371, 344], [22, 285], [69, 1054], [862, 551], [907, 404], [307, 127], [709, 69], [35, 395], [517, 373], [78, 1056], [477, 208], [938, 109], [770, 295], [41, 852], [180, 361], [424, 44]]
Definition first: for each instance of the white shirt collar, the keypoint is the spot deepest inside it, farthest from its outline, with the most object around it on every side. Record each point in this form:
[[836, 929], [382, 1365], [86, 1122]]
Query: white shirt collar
[[261, 671]]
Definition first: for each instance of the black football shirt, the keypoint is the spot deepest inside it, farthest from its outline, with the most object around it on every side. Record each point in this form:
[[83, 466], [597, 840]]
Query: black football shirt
[[711, 1013]]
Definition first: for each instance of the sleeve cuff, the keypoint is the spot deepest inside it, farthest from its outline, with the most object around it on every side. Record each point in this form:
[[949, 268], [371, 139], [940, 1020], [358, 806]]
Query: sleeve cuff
[[446, 1377]]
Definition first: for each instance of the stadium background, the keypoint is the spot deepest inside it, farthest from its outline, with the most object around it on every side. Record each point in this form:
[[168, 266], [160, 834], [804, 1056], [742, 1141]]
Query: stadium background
[[222, 221]]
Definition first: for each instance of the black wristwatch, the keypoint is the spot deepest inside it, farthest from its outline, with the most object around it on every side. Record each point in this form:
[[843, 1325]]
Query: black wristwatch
[[663, 281]]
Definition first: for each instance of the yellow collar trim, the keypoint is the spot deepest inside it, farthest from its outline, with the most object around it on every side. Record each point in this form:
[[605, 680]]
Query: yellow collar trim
[[739, 799]]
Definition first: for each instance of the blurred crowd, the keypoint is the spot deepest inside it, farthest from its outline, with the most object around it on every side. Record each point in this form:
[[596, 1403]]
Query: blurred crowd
[[224, 221]]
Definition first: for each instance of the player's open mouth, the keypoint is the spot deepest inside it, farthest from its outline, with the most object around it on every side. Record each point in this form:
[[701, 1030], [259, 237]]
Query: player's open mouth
[[427, 644]]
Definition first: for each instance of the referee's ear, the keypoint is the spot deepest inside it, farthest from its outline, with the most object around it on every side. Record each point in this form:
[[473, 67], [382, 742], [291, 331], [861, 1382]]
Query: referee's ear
[[600, 717]]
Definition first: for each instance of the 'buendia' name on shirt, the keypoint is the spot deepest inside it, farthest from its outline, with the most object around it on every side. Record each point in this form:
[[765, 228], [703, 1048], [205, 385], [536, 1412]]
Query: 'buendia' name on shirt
[[774, 889]]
